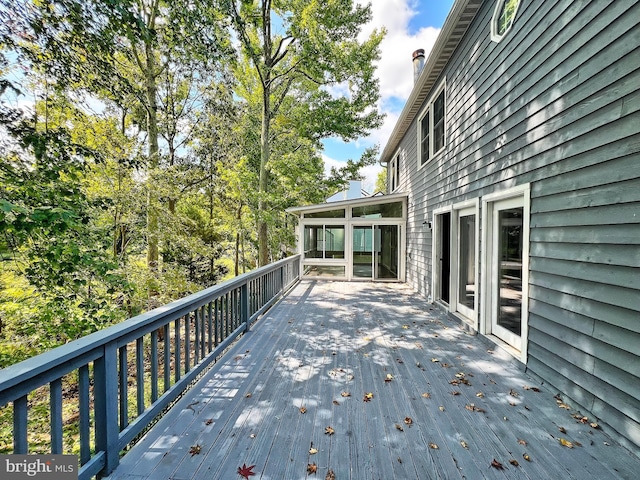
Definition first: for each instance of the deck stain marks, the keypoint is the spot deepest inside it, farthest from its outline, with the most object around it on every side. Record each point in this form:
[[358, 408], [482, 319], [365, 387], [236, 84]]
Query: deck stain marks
[[324, 338]]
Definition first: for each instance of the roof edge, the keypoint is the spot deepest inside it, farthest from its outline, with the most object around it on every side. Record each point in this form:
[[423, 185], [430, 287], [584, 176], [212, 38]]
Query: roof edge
[[344, 203]]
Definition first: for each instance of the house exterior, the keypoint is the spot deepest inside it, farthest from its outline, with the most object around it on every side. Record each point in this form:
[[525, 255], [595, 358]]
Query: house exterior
[[519, 154]]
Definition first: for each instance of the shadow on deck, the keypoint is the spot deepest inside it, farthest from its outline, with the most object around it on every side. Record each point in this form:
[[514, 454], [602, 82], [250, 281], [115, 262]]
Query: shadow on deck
[[449, 407]]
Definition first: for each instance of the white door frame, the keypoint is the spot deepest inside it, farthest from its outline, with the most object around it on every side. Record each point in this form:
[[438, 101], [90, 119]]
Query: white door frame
[[471, 207], [435, 254], [515, 197]]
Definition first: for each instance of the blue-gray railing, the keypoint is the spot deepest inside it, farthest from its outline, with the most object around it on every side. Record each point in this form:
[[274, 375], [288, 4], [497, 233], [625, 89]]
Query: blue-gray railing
[[170, 346]]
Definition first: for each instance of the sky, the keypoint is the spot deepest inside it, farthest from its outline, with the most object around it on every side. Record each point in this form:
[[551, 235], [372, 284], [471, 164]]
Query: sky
[[410, 25]]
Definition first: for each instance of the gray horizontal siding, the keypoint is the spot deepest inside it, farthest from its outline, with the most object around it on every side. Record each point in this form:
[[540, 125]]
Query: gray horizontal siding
[[556, 104]]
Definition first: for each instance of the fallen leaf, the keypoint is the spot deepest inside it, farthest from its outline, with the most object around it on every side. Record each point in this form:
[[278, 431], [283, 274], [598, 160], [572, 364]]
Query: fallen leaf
[[514, 463], [345, 394], [408, 420], [329, 431], [562, 405], [527, 387], [565, 443], [253, 435], [527, 407], [399, 460], [464, 444], [303, 410], [405, 326], [593, 425], [399, 427], [248, 395], [435, 360], [388, 378], [399, 360], [513, 393], [526, 457], [496, 464], [245, 471], [367, 397], [312, 468], [480, 395], [445, 365], [441, 408], [492, 381], [562, 430], [433, 446], [208, 421], [471, 407], [336, 402], [583, 419], [455, 392], [522, 442], [313, 451], [512, 404], [490, 352], [460, 375], [195, 450], [330, 475], [426, 395]]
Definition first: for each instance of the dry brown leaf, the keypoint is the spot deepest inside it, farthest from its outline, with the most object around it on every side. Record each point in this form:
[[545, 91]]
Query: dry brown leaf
[[565, 443], [336, 402], [313, 451], [522, 442], [433, 446], [562, 430], [513, 393], [471, 407], [512, 404], [526, 457], [445, 365], [464, 444], [195, 450], [303, 410], [368, 396], [514, 463], [426, 395], [329, 430], [248, 395], [208, 421], [408, 420], [593, 425], [496, 464], [345, 394], [399, 427], [330, 475], [583, 419], [480, 395], [455, 392], [441, 408], [388, 378], [312, 468], [435, 360], [562, 405]]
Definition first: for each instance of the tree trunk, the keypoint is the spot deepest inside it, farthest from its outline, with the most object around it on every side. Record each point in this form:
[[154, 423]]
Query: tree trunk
[[265, 151], [154, 150]]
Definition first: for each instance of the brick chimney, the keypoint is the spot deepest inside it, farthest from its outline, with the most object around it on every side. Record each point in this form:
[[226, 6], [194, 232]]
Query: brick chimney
[[418, 64]]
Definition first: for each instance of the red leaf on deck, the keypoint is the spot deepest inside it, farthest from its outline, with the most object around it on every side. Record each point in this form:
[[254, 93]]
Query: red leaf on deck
[[496, 464], [245, 471]]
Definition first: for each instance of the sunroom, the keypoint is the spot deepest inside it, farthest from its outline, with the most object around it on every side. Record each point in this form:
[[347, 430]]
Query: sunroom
[[356, 239]]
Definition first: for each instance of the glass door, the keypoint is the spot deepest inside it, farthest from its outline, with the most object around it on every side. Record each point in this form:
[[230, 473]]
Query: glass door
[[466, 263], [375, 252], [507, 258]]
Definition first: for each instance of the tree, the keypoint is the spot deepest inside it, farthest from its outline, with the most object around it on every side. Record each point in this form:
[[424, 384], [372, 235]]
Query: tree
[[314, 77], [381, 181]]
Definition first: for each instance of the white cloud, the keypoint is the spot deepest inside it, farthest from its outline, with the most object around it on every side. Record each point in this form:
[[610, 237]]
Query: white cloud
[[369, 174], [395, 68]]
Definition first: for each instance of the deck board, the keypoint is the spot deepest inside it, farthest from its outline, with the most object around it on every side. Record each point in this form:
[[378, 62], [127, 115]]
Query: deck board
[[325, 338]]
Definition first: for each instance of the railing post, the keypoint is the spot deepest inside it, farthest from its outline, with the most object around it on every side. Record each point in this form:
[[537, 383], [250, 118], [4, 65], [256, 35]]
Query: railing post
[[106, 406], [244, 306]]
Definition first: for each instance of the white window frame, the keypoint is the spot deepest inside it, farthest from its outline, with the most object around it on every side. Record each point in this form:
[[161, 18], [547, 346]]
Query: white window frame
[[495, 36], [428, 110], [488, 201], [394, 172]]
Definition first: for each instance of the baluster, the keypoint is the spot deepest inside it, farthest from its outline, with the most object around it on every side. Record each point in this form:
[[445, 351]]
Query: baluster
[[55, 405], [140, 374], [123, 384], [203, 329], [187, 342], [154, 366], [196, 346], [167, 357], [210, 326], [106, 406], [178, 360], [20, 444], [85, 440]]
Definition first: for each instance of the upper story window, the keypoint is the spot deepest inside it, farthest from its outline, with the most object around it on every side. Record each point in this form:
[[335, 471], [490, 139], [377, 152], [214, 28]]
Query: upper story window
[[394, 172], [503, 16], [431, 127]]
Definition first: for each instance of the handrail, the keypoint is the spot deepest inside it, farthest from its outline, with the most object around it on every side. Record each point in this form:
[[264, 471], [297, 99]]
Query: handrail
[[167, 348]]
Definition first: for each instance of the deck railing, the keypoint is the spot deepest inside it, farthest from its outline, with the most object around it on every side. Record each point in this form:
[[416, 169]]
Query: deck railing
[[122, 377]]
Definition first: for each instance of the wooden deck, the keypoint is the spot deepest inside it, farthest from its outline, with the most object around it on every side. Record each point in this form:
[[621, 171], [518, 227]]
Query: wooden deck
[[326, 338]]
